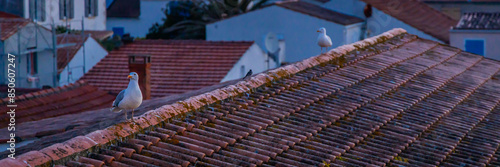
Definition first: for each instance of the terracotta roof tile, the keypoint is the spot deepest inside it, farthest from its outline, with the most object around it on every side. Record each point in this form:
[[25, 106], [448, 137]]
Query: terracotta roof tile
[[9, 26], [74, 98], [418, 15], [319, 12], [8, 15], [177, 66], [98, 35], [468, 1], [66, 54], [409, 102]]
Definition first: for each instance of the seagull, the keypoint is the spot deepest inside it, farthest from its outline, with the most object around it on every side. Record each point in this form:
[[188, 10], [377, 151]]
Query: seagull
[[324, 40], [249, 73], [130, 98]]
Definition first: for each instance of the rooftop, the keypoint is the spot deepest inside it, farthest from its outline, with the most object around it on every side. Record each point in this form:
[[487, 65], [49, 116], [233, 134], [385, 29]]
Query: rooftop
[[462, 1], [418, 15], [8, 15], [9, 26], [177, 66], [431, 103], [314, 11], [319, 12], [98, 35], [479, 21], [53, 102], [66, 54]]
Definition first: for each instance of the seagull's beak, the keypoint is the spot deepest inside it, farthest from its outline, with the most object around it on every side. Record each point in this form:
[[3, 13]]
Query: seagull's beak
[[129, 76], [318, 31]]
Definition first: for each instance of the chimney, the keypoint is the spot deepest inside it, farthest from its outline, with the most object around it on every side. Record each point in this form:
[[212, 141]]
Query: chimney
[[141, 64]]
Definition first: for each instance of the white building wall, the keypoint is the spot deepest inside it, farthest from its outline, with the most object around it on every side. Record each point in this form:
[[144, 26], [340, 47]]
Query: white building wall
[[94, 52], [297, 29], [379, 22], [491, 40], [28, 39], [151, 13], [52, 15], [254, 58]]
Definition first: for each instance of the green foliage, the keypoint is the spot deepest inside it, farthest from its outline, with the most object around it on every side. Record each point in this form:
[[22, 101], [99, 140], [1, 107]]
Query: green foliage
[[63, 29], [187, 19], [111, 44]]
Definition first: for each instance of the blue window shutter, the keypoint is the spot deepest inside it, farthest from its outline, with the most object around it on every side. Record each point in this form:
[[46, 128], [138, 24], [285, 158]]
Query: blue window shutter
[[118, 31], [475, 46]]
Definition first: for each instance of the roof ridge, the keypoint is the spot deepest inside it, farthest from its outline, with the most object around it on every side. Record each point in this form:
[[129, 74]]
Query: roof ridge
[[155, 116]]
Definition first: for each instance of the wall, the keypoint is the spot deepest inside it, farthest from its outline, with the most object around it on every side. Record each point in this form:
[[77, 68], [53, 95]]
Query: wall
[[94, 52], [43, 41], [52, 15], [151, 13], [297, 29], [379, 22], [491, 40], [254, 58]]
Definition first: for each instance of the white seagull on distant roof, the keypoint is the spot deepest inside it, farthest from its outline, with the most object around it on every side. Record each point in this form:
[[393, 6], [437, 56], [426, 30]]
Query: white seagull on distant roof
[[324, 40], [130, 98]]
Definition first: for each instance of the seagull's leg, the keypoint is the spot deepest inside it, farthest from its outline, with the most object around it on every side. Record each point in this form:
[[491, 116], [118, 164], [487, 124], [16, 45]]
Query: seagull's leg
[[132, 118], [126, 115]]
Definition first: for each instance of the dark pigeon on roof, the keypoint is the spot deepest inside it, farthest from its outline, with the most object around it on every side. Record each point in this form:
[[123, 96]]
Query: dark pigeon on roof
[[479, 21], [124, 9]]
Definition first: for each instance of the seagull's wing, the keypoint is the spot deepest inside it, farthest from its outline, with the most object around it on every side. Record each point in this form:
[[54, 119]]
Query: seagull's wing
[[329, 40], [119, 98]]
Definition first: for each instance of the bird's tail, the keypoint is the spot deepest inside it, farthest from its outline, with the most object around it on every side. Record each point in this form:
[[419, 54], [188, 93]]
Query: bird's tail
[[116, 109]]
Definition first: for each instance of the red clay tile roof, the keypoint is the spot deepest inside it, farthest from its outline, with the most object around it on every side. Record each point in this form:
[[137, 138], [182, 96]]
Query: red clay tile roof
[[390, 100], [319, 12], [66, 54], [468, 1], [177, 66], [479, 21], [47, 103], [314, 11], [99, 35], [9, 26], [418, 15], [8, 15]]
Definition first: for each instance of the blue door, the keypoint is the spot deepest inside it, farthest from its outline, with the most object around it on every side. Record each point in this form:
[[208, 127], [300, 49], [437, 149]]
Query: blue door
[[475, 46]]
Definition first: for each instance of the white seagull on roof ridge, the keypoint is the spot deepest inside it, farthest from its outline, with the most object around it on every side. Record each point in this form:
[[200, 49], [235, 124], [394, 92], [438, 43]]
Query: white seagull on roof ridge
[[130, 98], [324, 40]]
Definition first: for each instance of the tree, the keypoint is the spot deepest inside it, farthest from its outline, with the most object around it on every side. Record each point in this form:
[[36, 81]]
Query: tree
[[187, 19]]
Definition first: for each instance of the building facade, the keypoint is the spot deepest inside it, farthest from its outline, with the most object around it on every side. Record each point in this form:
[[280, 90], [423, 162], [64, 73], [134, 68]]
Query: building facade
[[294, 22], [66, 13]]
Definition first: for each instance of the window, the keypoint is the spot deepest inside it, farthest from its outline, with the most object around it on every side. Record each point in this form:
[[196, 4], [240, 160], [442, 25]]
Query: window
[[90, 8], [118, 31], [66, 9], [242, 71], [475, 46], [32, 67], [37, 10]]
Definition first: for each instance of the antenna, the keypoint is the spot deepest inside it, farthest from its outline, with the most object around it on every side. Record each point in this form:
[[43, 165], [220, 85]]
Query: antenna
[[272, 46], [271, 42]]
